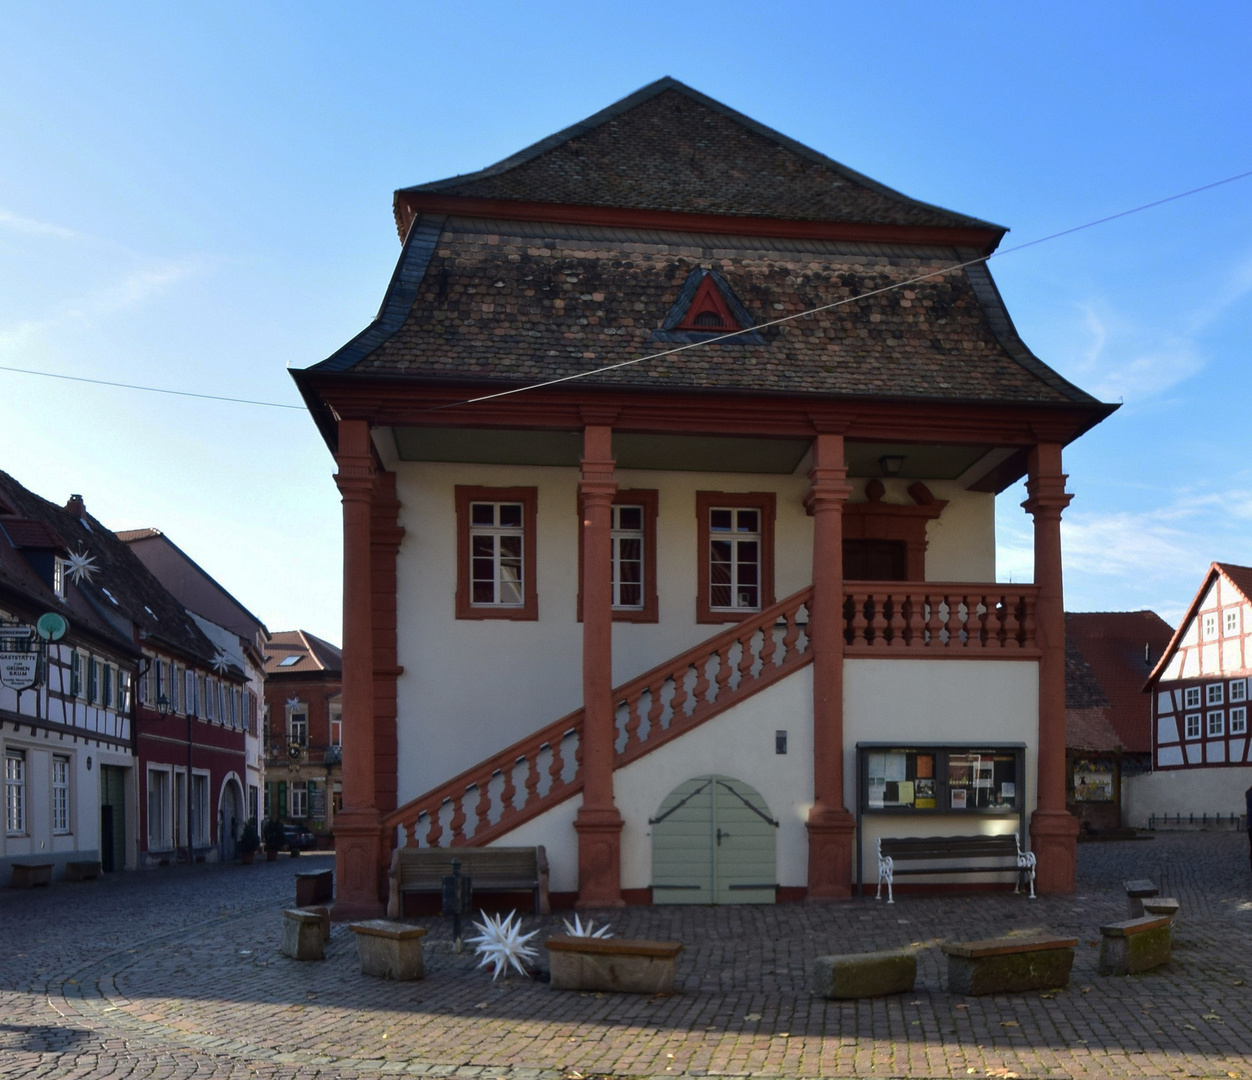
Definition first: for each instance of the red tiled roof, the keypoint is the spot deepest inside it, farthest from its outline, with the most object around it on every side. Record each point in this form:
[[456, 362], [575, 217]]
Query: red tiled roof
[[26, 533], [1113, 644], [315, 655]]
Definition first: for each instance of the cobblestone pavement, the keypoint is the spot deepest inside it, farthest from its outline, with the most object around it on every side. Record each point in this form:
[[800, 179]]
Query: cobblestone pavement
[[177, 973]]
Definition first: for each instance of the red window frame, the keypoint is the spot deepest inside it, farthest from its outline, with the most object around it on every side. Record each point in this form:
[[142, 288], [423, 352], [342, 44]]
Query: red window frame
[[766, 503], [529, 498], [647, 498]]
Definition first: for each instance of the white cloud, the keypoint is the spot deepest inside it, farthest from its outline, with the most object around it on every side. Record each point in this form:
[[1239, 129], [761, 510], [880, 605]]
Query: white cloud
[[31, 227], [135, 289], [1126, 362]]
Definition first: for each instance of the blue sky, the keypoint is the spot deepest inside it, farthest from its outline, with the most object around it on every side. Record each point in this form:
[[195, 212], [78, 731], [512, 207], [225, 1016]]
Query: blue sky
[[196, 196]]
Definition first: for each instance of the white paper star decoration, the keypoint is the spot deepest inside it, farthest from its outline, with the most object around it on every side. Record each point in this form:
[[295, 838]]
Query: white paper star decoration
[[221, 662], [502, 943], [81, 565], [578, 930]]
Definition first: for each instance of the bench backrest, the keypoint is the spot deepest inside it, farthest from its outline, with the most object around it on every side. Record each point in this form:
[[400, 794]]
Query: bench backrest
[[950, 847], [424, 866]]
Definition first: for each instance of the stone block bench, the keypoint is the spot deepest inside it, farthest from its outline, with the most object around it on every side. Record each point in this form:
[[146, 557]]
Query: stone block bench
[[864, 975], [1136, 892], [615, 965], [1009, 965], [314, 886], [1158, 906], [389, 950], [490, 869], [323, 914], [1134, 945], [30, 875], [302, 935], [85, 870]]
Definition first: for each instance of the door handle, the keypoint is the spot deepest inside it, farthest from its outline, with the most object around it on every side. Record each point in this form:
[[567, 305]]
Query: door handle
[[720, 834]]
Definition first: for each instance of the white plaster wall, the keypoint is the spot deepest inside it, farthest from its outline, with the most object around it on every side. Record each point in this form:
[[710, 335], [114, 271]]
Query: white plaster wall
[[1185, 791], [471, 687], [555, 831], [916, 702]]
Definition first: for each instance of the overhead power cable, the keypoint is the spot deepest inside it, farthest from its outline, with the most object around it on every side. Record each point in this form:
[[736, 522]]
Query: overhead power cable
[[837, 303], [678, 348]]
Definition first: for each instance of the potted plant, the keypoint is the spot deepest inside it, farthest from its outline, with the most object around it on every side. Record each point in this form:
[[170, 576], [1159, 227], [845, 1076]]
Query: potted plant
[[274, 839], [249, 841]]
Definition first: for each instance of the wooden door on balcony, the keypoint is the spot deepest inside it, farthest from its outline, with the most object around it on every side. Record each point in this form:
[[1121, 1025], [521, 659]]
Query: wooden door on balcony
[[875, 560], [713, 842]]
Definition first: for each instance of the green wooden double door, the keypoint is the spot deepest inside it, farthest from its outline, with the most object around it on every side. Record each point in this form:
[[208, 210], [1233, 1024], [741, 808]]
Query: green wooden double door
[[714, 842]]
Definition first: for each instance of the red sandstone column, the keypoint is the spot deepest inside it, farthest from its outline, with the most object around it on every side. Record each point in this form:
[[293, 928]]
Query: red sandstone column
[[598, 823], [1053, 830], [830, 826], [358, 839]]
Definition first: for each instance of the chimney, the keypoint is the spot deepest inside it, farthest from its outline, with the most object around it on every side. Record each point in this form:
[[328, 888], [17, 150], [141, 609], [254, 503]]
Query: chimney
[[76, 506]]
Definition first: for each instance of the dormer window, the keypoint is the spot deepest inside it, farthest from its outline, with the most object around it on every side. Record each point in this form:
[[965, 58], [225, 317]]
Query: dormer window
[[706, 305], [58, 576], [709, 310]]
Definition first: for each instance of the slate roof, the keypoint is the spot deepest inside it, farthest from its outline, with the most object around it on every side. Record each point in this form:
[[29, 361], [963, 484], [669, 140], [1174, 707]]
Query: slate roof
[[668, 147], [1110, 646], [515, 303], [120, 597], [316, 657]]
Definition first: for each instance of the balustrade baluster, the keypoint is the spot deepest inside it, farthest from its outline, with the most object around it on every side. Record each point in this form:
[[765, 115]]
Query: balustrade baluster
[[1028, 621], [769, 644], [457, 824], [633, 720], [878, 624], [935, 624], [1008, 622], [898, 622], [558, 764], [860, 624], [983, 618], [746, 657], [917, 620], [482, 811], [677, 704], [725, 669], [791, 635], [956, 623], [532, 774], [702, 683], [657, 707], [509, 791], [434, 830]]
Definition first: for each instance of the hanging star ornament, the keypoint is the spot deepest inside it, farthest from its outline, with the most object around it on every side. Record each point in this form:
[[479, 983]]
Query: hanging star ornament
[[578, 930], [221, 662], [502, 943], [80, 565]]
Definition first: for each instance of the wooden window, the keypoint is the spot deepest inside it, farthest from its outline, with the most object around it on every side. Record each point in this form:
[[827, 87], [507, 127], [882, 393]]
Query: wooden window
[[1193, 725], [123, 691], [1213, 694], [1231, 621], [1238, 689], [160, 836], [634, 557], [14, 792], [60, 794], [1239, 720], [1216, 724], [1210, 625], [1192, 696], [300, 726], [736, 554], [496, 553], [201, 823], [299, 799]]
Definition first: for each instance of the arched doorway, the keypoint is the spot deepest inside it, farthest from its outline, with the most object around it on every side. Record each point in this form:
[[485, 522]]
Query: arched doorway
[[713, 842], [230, 817]]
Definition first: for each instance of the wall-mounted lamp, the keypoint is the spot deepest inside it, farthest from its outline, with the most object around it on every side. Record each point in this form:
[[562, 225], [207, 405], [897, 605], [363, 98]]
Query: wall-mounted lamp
[[162, 706], [891, 464], [89, 763]]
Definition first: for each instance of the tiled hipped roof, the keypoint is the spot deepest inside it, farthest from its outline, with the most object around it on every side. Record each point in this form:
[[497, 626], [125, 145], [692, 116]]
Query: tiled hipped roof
[[668, 147], [522, 302], [314, 656]]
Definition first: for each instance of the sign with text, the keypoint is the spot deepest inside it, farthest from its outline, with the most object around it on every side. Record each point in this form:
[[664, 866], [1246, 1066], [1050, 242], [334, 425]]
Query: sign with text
[[19, 671]]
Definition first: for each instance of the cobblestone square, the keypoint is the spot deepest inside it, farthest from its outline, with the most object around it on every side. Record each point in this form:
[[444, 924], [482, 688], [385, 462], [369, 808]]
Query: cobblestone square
[[177, 973]]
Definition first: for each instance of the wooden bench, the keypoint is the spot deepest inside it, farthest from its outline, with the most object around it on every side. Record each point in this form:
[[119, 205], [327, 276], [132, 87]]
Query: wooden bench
[[1009, 965], [615, 965], [490, 869], [864, 975], [30, 875], [954, 855], [390, 950], [1135, 945], [313, 886]]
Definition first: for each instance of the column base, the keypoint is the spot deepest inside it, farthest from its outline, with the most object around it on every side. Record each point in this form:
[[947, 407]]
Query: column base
[[1054, 840], [358, 866], [831, 832], [599, 858]]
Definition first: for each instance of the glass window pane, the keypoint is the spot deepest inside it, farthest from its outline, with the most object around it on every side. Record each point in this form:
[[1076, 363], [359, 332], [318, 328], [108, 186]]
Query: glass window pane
[[746, 596], [749, 521], [719, 596], [720, 520], [630, 595], [482, 513], [483, 592], [630, 518], [511, 515], [510, 547], [483, 547], [510, 588]]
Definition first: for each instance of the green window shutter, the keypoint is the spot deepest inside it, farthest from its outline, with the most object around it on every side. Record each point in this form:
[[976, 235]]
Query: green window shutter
[[282, 798], [92, 679], [76, 675], [269, 798]]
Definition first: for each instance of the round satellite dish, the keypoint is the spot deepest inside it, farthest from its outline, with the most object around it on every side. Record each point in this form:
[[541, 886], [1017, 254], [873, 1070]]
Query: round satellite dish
[[51, 626]]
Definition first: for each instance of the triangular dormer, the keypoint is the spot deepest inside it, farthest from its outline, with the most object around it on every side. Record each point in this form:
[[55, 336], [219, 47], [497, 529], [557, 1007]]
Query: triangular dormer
[[707, 307]]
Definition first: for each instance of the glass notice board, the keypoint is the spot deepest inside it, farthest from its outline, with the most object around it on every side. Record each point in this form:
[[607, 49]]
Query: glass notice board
[[940, 778]]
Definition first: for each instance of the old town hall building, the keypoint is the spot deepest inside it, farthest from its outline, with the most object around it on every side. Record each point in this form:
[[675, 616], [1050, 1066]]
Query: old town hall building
[[668, 471]]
